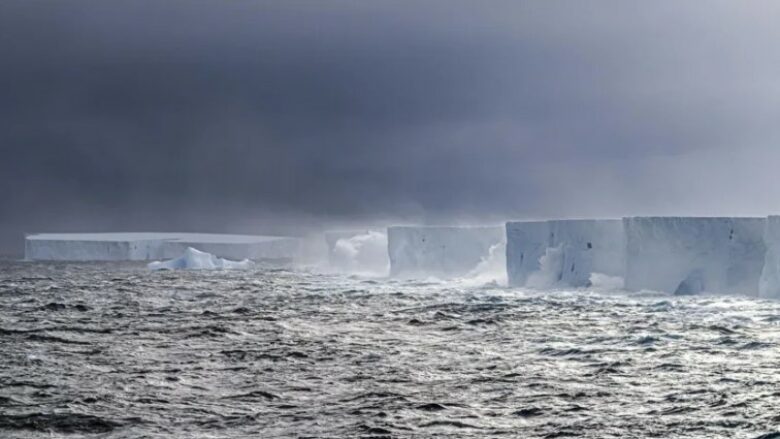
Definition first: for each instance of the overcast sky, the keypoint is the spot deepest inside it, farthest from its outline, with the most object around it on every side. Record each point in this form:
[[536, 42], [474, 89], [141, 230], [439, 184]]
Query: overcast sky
[[266, 116]]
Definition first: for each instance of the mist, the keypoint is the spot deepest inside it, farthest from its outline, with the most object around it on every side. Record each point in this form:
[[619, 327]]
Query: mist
[[287, 117]]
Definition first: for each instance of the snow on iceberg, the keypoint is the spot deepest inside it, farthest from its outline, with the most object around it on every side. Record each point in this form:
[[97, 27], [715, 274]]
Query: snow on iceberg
[[193, 259], [684, 255], [544, 254], [442, 251]]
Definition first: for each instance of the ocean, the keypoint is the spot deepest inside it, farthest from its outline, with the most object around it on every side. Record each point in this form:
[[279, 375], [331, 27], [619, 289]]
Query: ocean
[[112, 350]]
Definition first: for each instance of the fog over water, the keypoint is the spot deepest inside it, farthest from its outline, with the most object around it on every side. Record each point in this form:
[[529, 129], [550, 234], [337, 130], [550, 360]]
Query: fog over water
[[279, 117]]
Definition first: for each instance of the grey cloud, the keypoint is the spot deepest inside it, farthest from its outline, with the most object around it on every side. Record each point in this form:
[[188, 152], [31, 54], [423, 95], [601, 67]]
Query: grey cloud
[[271, 116]]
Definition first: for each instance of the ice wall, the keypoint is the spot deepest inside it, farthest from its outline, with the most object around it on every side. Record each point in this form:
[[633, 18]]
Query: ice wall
[[691, 255], [544, 254], [147, 246], [94, 246], [439, 251], [526, 243], [265, 248], [769, 284]]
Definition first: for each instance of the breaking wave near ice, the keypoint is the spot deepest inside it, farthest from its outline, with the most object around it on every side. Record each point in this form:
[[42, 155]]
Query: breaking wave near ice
[[113, 350], [361, 253]]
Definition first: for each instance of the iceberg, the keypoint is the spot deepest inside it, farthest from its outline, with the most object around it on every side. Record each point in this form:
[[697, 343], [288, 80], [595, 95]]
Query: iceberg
[[439, 251], [526, 244], [255, 247], [563, 253], [769, 282], [149, 246], [94, 246], [193, 259], [692, 255]]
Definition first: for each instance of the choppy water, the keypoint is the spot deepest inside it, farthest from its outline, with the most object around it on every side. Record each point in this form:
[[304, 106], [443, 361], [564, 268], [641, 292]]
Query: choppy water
[[111, 350]]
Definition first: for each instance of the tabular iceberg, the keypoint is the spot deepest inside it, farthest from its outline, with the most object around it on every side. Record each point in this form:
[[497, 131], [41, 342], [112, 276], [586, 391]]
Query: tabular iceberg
[[193, 259], [769, 284], [94, 246], [691, 255], [147, 246], [544, 254], [439, 251]]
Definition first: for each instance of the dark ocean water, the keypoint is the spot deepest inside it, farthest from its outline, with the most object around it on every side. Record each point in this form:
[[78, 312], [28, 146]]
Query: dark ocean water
[[115, 351]]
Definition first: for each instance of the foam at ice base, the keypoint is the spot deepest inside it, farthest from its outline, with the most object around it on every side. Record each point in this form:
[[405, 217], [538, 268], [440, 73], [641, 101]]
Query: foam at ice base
[[193, 259], [359, 252], [491, 269]]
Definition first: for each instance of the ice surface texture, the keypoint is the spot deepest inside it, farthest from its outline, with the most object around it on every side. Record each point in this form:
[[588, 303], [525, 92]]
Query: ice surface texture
[[439, 251], [560, 253], [686, 255]]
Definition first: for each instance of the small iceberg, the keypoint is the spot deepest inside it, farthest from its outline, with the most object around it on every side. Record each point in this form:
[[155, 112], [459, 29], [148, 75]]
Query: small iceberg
[[193, 259]]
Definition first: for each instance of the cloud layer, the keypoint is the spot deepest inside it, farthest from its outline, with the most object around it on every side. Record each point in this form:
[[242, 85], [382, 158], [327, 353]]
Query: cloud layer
[[271, 116]]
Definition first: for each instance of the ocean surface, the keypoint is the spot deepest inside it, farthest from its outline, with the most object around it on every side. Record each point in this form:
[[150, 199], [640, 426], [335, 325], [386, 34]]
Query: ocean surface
[[115, 351]]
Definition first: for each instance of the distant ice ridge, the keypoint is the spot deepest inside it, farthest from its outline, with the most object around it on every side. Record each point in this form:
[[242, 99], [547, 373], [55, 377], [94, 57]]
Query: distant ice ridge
[[360, 252], [148, 246], [564, 253], [685, 255], [439, 251], [193, 259]]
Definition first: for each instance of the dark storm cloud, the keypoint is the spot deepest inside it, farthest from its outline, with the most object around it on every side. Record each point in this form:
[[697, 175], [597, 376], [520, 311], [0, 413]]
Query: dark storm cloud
[[245, 115]]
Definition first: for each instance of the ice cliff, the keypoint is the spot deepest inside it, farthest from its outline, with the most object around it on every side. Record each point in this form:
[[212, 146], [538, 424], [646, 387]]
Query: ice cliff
[[560, 253], [439, 251], [685, 255], [148, 246]]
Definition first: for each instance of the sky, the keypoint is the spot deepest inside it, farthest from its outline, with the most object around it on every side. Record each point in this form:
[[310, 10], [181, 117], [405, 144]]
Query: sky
[[285, 116]]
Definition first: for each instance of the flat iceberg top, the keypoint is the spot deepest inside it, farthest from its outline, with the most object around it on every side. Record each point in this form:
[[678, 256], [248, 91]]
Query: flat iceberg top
[[693, 218], [148, 236], [444, 227], [566, 221]]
